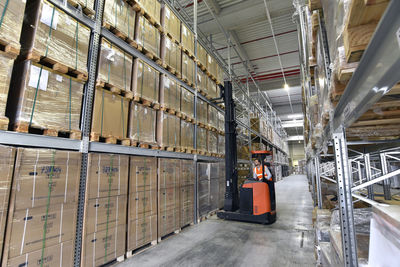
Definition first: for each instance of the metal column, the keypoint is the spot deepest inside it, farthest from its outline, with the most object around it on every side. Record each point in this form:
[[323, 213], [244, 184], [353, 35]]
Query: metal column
[[344, 183], [318, 182], [196, 185], [312, 172], [386, 182], [368, 175]]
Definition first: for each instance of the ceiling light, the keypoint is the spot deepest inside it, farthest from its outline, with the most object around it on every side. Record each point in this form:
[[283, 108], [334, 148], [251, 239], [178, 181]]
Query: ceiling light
[[295, 116], [286, 86]]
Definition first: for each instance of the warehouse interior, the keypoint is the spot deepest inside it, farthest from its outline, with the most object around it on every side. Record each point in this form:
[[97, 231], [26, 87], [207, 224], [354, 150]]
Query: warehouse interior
[[199, 132]]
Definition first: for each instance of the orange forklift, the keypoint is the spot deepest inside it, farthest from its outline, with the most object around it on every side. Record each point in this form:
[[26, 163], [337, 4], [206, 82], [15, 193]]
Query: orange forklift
[[257, 197]]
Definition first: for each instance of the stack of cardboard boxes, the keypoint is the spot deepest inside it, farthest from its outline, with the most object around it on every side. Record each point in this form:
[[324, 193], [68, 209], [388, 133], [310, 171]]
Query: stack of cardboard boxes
[[187, 181]]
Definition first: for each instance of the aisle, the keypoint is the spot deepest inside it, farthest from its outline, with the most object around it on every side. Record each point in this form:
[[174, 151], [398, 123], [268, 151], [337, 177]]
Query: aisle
[[288, 242]]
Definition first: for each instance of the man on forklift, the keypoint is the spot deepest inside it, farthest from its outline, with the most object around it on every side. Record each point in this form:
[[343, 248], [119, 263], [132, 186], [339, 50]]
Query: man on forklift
[[257, 171]]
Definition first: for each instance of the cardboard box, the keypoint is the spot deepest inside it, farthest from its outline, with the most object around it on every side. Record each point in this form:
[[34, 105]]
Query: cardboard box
[[142, 174], [121, 16], [172, 54], [187, 38], [212, 65], [153, 8], [221, 144], [187, 215], [221, 121], [188, 68], [168, 173], [142, 204], [171, 23], [27, 228], [202, 111], [107, 175], [202, 55], [105, 212], [170, 93], [145, 81], [115, 66], [187, 103], [43, 98], [187, 135], [168, 198], [12, 19], [214, 193], [202, 139], [212, 142], [168, 221], [142, 124], [212, 116], [50, 32], [186, 195], [187, 173], [220, 74], [110, 114], [6, 67], [58, 255], [168, 130], [141, 232], [34, 171], [147, 36], [202, 81], [213, 91], [102, 247]]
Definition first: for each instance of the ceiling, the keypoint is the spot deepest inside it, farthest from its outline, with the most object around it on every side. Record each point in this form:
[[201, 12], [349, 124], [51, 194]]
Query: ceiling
[[247, 25]]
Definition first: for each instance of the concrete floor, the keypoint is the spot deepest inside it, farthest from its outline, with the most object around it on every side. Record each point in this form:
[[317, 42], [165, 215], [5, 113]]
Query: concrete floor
[[288, 242]]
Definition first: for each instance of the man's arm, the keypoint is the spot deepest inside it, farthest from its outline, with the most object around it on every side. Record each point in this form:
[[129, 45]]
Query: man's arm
[[267, 173]]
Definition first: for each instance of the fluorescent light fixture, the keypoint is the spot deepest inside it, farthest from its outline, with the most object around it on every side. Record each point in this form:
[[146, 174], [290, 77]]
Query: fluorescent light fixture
[[286, 86], [295, 138], [292, 124], [295, 116]]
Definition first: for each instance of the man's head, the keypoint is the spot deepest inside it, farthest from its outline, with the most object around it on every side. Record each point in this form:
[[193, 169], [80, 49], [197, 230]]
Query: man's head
[[257, 162]]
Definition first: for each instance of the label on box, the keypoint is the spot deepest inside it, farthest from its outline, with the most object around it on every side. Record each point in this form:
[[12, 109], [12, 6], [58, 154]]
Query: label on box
[[59, 78], [36, 74], [49, 16], [145, 111], [184, 31], [68, 20], [209, 59], [167, 13], [110, 56], [166, 82], [135, 107], [168, 43], [149, 69]]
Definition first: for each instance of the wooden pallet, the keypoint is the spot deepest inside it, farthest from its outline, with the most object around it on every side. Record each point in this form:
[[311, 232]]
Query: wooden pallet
[[189, 53], [113, 89], [120, 34], [173, 39], [86, 10], [57, 66], [146, 145], [168, 110], [96, 137], [4, 123], [201, 66], [202, 125], [164, 237], [168, 148], [9, 49], [314, 4], [186, 80], [190, 150], [201, 152], [172, 70], [146, 102], [150, 54], [131, 253], [23, 127]]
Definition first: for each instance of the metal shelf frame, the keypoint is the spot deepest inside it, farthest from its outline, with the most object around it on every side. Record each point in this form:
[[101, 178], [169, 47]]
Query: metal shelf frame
[[378, 72]]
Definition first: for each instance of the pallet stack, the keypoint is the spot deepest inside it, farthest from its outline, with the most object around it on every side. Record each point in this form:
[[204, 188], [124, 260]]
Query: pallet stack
[[186, 198]]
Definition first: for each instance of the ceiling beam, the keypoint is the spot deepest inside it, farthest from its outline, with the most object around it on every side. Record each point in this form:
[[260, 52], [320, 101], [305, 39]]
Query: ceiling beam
[[243, 53], [215, 6]]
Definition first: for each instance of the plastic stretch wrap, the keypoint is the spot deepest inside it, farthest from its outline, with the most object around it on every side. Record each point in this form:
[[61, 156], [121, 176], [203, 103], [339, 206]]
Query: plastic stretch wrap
[[212, 65], [214, 193], [168, 130], [173, 54], [221, 144], [202, 55], [221, 121], [187, 103], [186, 205], [115, 66], [169, 175], [170, 93], [188, 68], [212, 117], [187, 135], [322, 225], [12, 18], [172, 25], [147, 35], [110, 114], [201, 109], [220, 74], [202, 139], [203, 173], [187, 39], [152, 7], [324, 102], [118, 14], [89, 4], [212, 142], [51, 33], [202, 81], [142, 123], [143, 174], [187, 173], [145, 82], [141, 232], [6, 67], [212, 89]]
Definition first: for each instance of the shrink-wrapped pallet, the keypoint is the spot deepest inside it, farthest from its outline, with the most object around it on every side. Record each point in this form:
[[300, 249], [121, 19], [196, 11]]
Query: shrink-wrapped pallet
[[170, 94], [147, 36], [221, 121], [201, 110], [187, 173], [220, 74], [202, 139], [187, 135], [212, 117], [213, 91], [151, 8], [115, 67], [186, 205], [120, 16], [6, 67], [86, 5], [212, 65], [143, 174], [141, 232], [169, 176], [171, 24], [212, 142], [221, 144], [11, 23], [187, 39], [51, 33], [188, 69], [214, 191], [145, 81], [168, 130], [44, 99], [142, 204], [110, 115], [173, 55], [202, 82], [202, 55], [203, 185], [187, 103], [142, 124]]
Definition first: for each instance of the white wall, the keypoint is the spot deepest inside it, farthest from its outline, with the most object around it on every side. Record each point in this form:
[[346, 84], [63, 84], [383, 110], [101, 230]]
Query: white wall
[[296, 152]]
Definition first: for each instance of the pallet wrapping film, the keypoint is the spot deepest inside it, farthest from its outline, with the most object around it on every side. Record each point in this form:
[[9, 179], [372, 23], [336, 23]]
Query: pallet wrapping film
[[187, 173], [6, 68], [220, 74], [212, 142], [171, 23], [147, 36], [215, 182], [38, 217], [11, 23], [142, 124], [7, 157], [187, 39], [110, 114], [221, 144], [212, 117], [203, 191], [120, 16], [187, 103], [222, 184], [211, 65], [172, 55], [44, 99], [202, 55], [170, 93], [202, 82], [202, 111], [152, 8], [212, 89], [51, 33], [187, 135], [142, 209], [115, 67], [146, 81], [202, 139], [168, 130], [188, 69], [221, 121], [187, 181]]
